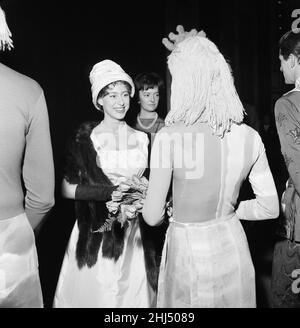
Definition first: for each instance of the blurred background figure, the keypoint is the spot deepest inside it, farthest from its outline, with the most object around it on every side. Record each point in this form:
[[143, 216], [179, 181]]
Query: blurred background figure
[[286, 259], [149, 88]]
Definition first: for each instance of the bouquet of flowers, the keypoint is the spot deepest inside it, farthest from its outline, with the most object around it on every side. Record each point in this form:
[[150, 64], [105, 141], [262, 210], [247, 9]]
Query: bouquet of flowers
[[126, 202]]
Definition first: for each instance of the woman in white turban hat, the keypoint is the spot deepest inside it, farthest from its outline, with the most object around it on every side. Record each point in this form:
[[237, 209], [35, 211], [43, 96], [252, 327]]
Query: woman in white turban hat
[[107, 263], [104, 73]]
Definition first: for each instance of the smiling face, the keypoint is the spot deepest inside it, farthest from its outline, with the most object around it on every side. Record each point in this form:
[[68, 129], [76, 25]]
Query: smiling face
[[115, 102], [287, 68], [149, 99]]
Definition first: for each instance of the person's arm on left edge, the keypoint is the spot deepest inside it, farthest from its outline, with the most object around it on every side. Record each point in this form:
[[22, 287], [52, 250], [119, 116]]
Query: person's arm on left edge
[[38, 167]]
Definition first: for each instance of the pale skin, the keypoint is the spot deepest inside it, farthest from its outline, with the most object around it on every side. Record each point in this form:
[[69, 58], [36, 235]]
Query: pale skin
[[148, 100], [290, 68], [115, 105]]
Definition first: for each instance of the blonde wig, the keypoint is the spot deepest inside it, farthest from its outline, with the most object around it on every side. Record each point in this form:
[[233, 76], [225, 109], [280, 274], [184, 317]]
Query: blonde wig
[[202, 86]]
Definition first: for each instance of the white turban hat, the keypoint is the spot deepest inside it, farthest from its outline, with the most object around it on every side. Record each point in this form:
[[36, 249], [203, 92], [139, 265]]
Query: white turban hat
[[104, 73]]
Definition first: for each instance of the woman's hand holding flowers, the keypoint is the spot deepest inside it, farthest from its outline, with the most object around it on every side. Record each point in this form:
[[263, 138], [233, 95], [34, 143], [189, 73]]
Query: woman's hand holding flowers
[[126, 202]]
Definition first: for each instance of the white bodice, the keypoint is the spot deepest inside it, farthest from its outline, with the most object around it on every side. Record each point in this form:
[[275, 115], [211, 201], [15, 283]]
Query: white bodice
[[121, 155]]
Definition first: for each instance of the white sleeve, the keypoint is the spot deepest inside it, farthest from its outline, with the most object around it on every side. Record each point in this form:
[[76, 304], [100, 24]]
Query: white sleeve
[[266, 204]]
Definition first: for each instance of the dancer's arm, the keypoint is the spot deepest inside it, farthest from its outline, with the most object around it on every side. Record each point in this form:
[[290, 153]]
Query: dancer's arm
[[159, 182], [266, 204]]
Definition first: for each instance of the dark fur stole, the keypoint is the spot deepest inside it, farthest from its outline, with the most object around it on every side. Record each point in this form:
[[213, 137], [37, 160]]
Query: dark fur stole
[[81, 168]]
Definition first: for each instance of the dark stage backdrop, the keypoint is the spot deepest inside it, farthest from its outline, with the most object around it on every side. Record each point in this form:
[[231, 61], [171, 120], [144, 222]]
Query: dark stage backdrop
[[58, 42]]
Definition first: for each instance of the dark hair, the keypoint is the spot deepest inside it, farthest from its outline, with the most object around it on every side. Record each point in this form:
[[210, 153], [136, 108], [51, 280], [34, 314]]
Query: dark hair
[[104, 91], [145, 81], [290, 44]]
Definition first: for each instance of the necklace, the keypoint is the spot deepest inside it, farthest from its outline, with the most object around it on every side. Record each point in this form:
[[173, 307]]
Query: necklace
[[150, 125]]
